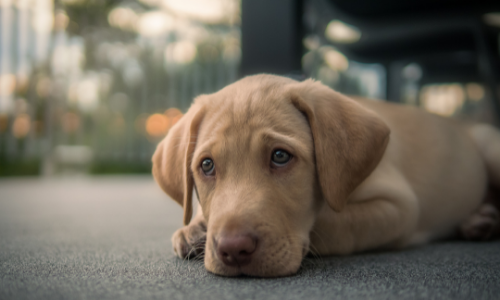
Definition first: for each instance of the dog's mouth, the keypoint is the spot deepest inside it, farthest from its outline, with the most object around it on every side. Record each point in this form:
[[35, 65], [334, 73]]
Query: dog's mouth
[[244, 255]]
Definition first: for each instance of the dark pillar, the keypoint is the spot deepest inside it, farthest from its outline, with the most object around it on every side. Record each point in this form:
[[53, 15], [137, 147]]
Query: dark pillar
[[271, 36]]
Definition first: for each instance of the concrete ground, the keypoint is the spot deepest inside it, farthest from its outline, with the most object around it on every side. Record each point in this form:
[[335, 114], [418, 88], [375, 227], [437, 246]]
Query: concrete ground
[[109, 238]]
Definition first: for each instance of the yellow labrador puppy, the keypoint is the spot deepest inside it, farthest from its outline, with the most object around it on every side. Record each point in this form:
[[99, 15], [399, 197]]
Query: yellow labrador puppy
[[282, 168]]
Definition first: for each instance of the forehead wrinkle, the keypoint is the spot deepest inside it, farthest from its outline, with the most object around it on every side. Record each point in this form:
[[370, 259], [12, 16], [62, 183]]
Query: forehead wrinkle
[[243, 111], [206, 146], [249, 107]]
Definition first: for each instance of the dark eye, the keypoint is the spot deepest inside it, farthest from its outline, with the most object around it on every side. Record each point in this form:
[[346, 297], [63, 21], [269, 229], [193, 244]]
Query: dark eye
[[208, 166], [280, 157]]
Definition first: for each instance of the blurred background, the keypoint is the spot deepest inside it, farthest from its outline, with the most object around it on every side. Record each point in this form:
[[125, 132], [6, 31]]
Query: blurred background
[[90, 87]]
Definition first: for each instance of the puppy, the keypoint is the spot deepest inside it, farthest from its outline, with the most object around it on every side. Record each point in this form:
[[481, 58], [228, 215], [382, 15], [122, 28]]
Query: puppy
[[283, 168]]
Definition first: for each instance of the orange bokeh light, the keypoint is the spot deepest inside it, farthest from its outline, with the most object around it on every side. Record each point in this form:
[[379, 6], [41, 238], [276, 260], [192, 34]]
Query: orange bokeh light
[[21, 126], [157, 125]]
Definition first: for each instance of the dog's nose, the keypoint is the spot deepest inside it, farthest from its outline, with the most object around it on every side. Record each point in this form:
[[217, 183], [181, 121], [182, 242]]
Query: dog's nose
[[236, 250]]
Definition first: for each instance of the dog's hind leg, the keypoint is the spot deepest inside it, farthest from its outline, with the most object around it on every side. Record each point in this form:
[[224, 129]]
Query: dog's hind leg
[[485, 222], [487, 138]]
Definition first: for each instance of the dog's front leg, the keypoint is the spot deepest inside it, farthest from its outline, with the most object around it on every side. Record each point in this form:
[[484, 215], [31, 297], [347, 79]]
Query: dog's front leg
[[189, 241], [372, 224]]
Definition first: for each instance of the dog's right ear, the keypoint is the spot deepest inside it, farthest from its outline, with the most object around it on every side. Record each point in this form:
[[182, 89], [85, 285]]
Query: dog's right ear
[[172, 160], [349, 140]]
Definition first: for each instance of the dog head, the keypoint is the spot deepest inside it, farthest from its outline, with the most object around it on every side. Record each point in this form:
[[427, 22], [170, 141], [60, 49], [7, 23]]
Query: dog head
[[264, 154]]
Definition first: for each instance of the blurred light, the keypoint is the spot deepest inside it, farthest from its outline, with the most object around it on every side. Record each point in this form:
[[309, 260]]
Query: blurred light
[[4, 122], [123, 18], [475, 92], [340, 32], [43, 18], [132, 72], [7, 84], [61, 20], [334, 59], [60, 59], [70, 122], [43, 87], [86, 93], [311, 42], [492, 19], [443, 99], [327, 75], [209, 11], [154, 23], [182, 52], [22, 4], [412, 72], [6, 3], [157, 125], [42, 22], [21, 126], [68, 58]]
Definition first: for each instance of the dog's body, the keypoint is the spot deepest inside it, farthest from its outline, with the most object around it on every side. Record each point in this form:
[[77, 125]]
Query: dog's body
[[360, 175]]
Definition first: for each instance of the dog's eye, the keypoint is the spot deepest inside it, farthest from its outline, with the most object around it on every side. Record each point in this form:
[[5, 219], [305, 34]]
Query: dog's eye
[[280, 157], [207, 166]]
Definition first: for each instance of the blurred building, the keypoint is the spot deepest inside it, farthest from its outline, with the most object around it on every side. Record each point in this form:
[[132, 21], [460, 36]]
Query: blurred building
[[441, 55], [94, 85]]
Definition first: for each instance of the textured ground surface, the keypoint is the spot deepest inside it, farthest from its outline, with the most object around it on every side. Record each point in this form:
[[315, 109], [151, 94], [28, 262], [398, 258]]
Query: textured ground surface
[[109, 238]]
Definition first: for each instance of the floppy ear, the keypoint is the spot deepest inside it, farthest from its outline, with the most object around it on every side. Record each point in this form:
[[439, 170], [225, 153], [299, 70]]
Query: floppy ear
[[172, 160], [349, 140]]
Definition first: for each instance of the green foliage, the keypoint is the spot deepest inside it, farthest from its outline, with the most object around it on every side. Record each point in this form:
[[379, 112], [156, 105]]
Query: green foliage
[[19, 167], [107, 167]]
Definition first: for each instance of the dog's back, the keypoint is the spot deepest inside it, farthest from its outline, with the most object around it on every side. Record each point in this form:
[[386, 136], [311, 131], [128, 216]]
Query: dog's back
[[441, 161]]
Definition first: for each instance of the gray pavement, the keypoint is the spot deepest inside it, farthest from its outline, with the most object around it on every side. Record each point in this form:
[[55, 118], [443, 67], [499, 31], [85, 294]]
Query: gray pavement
[[109, 238]]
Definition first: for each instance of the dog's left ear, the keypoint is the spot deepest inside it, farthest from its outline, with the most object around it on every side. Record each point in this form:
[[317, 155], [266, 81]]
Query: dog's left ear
[[172, 160], [349, 140]]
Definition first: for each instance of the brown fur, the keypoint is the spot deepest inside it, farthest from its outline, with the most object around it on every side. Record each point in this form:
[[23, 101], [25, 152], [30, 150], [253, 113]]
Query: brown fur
[[364, 174]]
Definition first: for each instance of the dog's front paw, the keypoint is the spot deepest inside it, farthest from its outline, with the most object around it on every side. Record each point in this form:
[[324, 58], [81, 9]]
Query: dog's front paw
[[189, 241]]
